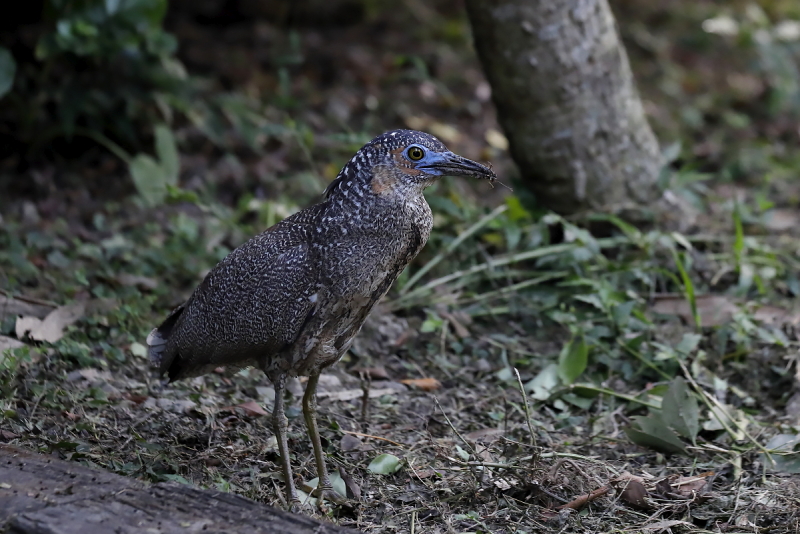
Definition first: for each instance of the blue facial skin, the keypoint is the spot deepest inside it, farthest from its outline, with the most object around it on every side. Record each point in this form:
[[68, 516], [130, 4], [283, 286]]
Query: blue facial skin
[[447, 164], [431, 161]]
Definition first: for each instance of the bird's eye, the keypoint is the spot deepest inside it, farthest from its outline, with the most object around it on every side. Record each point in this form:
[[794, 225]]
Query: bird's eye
[[415, 153]]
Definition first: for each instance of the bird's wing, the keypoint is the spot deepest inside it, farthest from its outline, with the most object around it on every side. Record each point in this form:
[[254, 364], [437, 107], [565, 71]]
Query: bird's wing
[[251, 306]]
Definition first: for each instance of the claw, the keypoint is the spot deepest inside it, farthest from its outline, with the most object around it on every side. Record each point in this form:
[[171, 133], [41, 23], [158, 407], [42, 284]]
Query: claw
[[328, 494], [295, 505]]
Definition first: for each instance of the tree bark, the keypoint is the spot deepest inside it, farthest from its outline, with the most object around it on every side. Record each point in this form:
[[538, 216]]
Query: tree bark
[[566, 98], [42, 495]]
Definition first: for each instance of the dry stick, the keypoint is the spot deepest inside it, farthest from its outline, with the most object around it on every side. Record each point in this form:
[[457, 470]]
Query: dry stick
[[450, 424], [527, 410], [443, 338], [372, 437], [366, 382], [613, 393], [709, 400], [556, 455]]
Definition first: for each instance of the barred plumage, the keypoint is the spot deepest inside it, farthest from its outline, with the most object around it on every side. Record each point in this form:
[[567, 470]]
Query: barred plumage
[[291, 300]]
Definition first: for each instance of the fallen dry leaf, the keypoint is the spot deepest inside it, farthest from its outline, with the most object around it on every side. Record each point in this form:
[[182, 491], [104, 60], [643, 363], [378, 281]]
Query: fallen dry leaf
[[457, 322], [51, 328], [376, 373], [251, 408], [14, 306], [583, 500], [10, 343], [691, 487], [25, 325], [134, 398], [89, 373], [632, 490], [141, 282], [635, 494], [350, 443], [661, 526], [6, 435], [716, 310], [782, 220], [353, 489], [484, 434], [425, 384]]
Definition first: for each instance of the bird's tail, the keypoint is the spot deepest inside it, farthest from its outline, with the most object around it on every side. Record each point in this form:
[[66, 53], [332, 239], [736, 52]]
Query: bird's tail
[[158, 337]]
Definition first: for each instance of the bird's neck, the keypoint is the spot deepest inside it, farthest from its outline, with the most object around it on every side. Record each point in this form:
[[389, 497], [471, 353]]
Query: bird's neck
[[390, 209]]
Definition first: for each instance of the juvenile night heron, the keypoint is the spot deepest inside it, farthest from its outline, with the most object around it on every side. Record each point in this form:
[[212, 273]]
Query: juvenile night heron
[[290, 300]]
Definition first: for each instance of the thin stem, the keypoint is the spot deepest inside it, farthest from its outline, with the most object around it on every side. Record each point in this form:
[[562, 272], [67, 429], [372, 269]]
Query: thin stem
[[463, 236]]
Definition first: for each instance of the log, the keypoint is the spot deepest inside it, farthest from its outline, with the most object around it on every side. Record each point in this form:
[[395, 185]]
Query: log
[[43, 495]]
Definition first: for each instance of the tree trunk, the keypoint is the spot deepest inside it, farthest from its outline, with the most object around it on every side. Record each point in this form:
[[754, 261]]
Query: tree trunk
[[566, 99], [42, 495]]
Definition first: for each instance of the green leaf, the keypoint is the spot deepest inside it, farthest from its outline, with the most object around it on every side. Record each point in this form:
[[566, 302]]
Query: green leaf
[[137, 349], [573, 360], [8, 69], [167, 152], [149, 179], [544, 383], [385, 464], [688, 343], [337, 482], [784, 457], [654, 434], [688, 286], [679, 409], [738, 243], [622, 313], [516, 211]]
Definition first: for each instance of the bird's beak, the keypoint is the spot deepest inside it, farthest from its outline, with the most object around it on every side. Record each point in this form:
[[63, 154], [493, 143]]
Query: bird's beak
[[449, 164]]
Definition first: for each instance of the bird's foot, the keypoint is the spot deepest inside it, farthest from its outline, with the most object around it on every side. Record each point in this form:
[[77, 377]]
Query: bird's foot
[[328, 494], [295, 505]]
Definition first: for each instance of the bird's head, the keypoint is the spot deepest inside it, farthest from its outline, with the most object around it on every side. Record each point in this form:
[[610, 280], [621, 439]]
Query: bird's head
[[404, 161]]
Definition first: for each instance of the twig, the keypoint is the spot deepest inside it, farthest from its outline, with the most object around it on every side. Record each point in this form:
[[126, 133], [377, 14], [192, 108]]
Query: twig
[[709, 400], [583, 500], [366, 383], [372, 437], [622, 396], [436, 400], [527, 409], [486, 219], [499, 261]]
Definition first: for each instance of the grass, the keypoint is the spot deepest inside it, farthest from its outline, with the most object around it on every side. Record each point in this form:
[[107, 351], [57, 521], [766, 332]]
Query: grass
[[658, 359]]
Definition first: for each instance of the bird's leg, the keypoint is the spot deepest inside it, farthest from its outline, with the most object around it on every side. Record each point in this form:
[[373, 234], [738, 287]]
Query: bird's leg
[[324, 487], [280, 426]]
